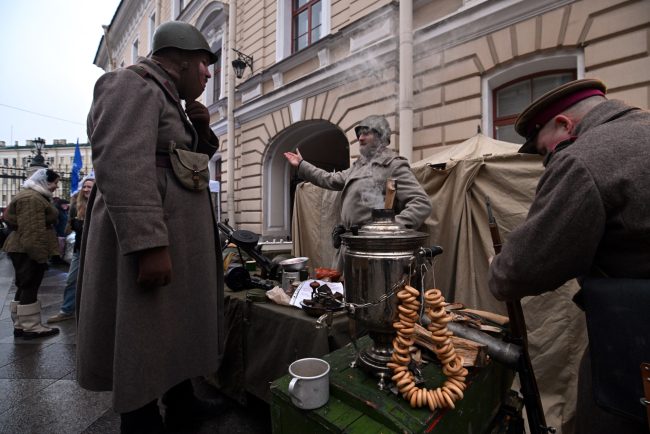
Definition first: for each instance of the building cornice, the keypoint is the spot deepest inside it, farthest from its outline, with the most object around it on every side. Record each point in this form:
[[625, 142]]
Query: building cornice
[[479, 18]]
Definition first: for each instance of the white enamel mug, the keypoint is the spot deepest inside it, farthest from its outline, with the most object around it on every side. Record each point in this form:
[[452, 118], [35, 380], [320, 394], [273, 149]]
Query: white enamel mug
[[310, 386]]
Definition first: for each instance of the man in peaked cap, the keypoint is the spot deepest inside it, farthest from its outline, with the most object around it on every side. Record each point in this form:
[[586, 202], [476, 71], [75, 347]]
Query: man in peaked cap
[[590, 219]]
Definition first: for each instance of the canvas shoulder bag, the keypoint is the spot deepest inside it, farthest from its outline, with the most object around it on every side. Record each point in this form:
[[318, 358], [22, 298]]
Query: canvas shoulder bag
[[190, 168]]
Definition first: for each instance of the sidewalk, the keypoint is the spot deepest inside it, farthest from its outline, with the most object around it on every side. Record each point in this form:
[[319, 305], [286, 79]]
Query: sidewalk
[[37, 377]]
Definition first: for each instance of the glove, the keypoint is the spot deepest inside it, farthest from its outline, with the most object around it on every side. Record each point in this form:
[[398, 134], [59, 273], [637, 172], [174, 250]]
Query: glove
[[154, 267], [200, 118], [336, 235]]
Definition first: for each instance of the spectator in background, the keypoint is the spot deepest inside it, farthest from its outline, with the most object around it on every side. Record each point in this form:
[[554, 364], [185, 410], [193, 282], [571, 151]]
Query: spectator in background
[[30, 245], [75, 224], [63, 207]]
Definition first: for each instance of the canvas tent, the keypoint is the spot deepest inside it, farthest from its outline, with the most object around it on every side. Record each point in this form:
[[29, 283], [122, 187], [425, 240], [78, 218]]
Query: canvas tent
[[458, 179]]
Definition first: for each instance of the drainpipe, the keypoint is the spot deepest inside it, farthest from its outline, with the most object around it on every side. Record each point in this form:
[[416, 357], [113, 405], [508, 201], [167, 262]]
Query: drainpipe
[[232, 23], [406, 79]]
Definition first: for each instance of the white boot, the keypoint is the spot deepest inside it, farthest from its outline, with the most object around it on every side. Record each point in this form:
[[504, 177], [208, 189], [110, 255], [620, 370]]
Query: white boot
[[13, 306], [29, 320]]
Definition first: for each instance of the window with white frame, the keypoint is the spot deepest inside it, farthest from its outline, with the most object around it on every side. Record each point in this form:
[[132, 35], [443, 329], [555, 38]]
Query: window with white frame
[[306, 23], [178, 7], [134, 51], [507, 91], [300, 23], [216, 77], [151, 29], [512, 98]]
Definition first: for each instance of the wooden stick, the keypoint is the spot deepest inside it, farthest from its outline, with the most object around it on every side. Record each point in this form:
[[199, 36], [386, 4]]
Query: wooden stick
[[390, 193]]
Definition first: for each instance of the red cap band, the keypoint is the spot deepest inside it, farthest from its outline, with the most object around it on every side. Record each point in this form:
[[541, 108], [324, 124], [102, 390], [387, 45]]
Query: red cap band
[[558, 107]]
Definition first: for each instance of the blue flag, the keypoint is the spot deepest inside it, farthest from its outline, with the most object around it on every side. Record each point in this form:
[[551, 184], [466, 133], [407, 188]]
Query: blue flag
[[77, 164]]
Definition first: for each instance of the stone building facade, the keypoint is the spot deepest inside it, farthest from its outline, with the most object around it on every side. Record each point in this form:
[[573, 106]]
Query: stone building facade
[[59, 155], [320, 66]]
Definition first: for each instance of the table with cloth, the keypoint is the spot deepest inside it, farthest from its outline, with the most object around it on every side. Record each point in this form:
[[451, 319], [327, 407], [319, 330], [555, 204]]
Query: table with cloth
[[262, 339]]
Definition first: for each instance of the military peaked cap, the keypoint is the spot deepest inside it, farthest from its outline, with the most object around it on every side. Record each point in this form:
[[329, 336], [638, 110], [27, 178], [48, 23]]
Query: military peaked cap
[[552, 103]]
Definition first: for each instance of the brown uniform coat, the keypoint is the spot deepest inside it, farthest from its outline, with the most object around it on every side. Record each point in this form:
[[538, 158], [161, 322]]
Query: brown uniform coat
[[139, 343]]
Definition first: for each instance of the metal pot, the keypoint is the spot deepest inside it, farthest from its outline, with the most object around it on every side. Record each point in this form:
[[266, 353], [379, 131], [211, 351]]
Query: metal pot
[[378, 259], [294, 264]]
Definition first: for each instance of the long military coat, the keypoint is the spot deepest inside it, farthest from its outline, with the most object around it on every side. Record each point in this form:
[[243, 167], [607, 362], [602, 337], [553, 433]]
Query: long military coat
[[363, 188], [33, 216], [139, 343]]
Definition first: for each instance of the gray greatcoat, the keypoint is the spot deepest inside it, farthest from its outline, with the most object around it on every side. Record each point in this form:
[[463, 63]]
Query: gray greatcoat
[[590, 216], [139, 343], [363, 187]]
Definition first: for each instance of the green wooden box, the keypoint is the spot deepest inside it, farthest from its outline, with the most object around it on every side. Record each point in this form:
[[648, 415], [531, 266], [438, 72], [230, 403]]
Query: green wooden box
[[356, 405]]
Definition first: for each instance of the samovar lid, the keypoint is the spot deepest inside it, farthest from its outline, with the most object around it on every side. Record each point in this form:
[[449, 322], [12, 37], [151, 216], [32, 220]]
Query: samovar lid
[[383, 223], [383, 229]]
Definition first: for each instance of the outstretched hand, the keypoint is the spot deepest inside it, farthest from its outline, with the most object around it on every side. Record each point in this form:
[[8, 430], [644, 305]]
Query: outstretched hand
[[294, 159]]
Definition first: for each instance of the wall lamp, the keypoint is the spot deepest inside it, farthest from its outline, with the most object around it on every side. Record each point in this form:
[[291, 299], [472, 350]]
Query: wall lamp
[[240, 63]]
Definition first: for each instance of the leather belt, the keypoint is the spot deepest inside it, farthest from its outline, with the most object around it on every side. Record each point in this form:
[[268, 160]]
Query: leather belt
[[163, 161]]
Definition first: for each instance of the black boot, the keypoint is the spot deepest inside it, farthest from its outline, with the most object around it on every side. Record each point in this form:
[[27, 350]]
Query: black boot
[[184, 412], [144, 420]]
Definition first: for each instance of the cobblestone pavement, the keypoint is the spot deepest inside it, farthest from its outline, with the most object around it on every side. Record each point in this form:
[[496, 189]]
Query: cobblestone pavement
[[38, 390]]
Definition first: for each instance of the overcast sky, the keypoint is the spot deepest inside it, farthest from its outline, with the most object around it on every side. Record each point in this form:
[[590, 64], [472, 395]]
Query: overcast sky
[[47, 48]]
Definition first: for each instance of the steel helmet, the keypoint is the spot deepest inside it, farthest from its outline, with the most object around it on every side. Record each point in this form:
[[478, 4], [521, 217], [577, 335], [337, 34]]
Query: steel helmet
[[184, 36], [378, 124]]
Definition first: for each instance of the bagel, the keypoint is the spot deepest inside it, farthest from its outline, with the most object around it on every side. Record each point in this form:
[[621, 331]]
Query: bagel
[[414, 398], [402, 295], [397, 376], [433, 292], [404, 360], [404, 381], [407, 342], [431, 400], [454, 389], [412, 290], [405, 389], [440, 398], [450, 402]]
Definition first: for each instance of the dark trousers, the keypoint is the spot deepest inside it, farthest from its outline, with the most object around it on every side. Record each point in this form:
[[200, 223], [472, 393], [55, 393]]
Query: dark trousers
[[29, 275], [144, 420], [147, 419]]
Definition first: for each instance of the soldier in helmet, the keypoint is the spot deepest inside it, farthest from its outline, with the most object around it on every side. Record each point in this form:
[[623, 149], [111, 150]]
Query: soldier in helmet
[[147, 292], [362, 185]]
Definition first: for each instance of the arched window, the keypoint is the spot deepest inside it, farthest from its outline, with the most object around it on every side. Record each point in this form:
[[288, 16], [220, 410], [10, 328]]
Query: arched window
[[506, 91]]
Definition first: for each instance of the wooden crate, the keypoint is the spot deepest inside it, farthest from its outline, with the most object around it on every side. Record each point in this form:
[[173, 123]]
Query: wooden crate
[[356, 405]]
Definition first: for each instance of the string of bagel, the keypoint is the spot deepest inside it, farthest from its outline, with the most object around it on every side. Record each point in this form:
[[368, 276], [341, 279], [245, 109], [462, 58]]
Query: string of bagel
[[409, 306]]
